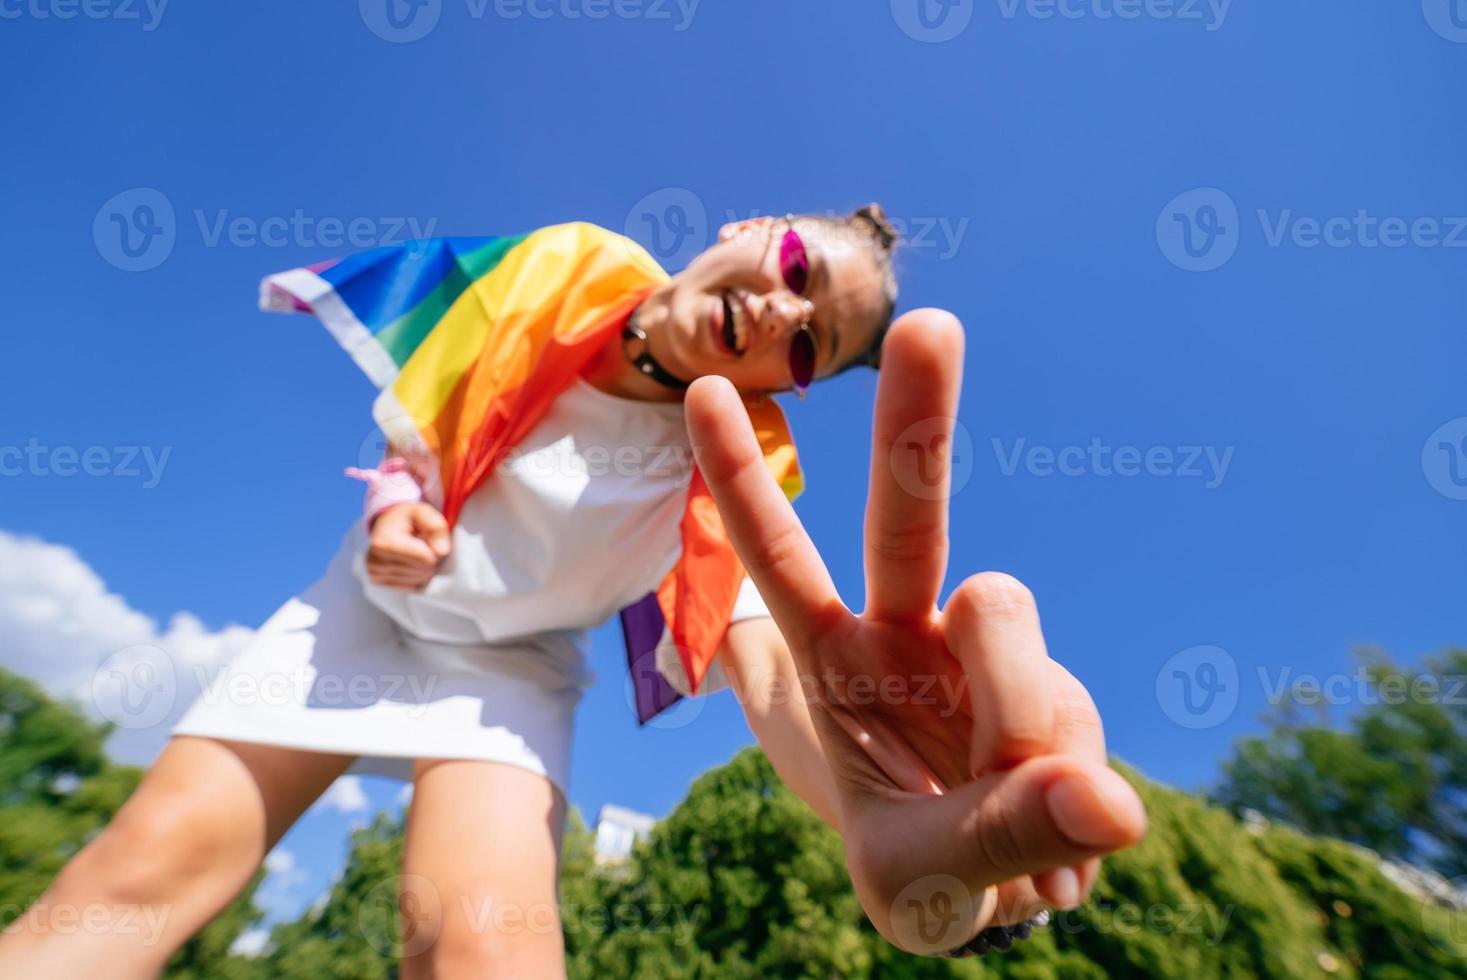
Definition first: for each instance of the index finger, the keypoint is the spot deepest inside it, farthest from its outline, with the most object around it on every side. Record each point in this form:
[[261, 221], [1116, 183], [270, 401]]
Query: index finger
[[769, 538]]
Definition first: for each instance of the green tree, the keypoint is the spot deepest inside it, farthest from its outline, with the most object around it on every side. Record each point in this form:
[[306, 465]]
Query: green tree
[[742, 881], [1392, 777], [760, 883], [57, 791], [354, 934]]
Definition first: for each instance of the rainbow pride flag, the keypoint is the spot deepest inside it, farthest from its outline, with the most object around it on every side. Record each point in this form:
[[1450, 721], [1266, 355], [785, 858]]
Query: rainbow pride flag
[[470, 340]]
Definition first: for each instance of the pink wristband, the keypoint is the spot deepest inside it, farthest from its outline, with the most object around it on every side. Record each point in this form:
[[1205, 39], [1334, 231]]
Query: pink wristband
[[391, 483]]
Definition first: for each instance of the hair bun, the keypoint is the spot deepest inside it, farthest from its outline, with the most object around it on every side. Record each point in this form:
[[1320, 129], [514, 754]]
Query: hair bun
[[875, 216]]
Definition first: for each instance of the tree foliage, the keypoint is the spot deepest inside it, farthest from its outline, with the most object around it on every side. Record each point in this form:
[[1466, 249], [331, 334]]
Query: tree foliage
[[57, 791], [1393, 778], [743, 881], [763, 882]]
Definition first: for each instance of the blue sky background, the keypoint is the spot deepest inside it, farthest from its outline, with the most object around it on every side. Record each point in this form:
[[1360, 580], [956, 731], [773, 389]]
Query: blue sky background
[[1035, 162]]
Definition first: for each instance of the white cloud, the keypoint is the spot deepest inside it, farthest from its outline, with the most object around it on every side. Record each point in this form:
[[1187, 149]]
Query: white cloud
[[280, 862], [405, 795], [250, 943], [345, 795], [320, 901], [283, 875], [79, 641]]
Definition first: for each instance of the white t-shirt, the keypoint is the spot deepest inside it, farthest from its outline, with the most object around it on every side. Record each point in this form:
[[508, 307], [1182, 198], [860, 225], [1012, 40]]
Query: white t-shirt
[[579, 521]]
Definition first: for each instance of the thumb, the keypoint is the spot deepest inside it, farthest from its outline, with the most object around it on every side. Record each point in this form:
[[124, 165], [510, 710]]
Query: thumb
[[432, 527], [1049, 812]]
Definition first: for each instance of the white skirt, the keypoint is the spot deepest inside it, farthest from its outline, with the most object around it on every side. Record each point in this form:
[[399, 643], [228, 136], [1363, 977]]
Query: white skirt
[[331, 672]]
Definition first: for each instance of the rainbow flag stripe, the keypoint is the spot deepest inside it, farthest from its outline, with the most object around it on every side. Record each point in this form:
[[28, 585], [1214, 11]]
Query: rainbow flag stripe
[[470, 340]]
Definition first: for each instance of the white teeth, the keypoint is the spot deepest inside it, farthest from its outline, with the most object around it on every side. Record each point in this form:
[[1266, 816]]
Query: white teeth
[[730, 332]]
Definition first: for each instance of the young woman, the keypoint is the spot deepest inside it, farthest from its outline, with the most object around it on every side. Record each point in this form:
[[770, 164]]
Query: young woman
[[964, 768]]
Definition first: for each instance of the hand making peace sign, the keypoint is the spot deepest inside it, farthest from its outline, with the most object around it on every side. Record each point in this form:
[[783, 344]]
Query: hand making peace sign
[[972, 775]]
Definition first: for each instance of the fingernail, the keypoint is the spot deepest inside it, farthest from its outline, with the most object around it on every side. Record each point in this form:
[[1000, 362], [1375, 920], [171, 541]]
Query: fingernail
[[1083, 878], [1064, 888], [1086, 808]]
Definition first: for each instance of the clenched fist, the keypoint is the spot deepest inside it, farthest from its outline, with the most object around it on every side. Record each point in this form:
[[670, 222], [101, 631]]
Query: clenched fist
[[407, 542]]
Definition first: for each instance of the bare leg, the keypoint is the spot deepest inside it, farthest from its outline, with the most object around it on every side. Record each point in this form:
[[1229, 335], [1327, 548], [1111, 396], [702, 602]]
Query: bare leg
[[177, 852], [480, 867]]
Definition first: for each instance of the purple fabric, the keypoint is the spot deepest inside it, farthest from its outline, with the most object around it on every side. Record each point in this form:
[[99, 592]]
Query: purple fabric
[[642, 626]]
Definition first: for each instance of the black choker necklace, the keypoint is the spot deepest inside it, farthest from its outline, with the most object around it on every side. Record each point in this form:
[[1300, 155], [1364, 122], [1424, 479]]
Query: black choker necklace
[[631, 335]]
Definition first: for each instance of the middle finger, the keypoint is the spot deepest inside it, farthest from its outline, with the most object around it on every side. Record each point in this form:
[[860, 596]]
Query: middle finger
[[906, 513]]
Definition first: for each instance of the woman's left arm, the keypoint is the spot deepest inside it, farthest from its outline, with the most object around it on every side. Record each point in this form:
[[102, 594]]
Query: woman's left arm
[[761, 670]]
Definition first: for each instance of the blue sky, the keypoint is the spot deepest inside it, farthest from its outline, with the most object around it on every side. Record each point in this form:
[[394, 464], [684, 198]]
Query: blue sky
[[1219, 247]]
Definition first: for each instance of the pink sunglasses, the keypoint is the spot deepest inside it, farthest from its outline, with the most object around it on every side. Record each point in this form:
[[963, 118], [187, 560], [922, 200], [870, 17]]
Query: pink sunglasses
[[794, 269]]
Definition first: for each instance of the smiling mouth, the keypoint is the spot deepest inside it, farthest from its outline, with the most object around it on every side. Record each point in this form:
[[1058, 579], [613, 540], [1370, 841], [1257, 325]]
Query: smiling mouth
[[731, 331]]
